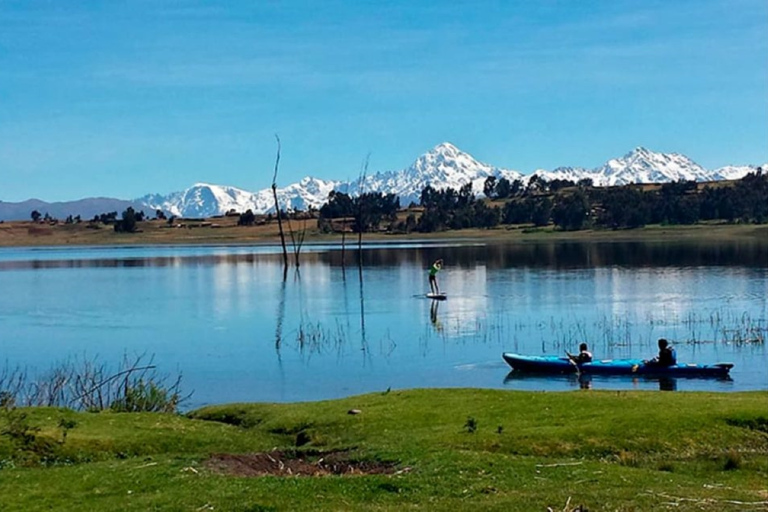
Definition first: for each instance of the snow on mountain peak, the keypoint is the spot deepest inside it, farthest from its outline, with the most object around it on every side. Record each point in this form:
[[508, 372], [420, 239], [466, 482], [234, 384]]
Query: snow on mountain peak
[[639, 151], [445, 148], [642, 165], [443, 166], [446, 161]]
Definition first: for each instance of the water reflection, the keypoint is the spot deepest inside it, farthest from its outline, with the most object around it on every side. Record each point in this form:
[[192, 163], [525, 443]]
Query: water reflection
[[240, 329], [554, 255], [667, 384], [280, 317], [561, 255], [436, 323], [588, 381], [363, 339]]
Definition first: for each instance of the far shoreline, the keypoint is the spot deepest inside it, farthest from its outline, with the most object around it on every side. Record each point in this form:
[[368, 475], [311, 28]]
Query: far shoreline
[[21, 234]]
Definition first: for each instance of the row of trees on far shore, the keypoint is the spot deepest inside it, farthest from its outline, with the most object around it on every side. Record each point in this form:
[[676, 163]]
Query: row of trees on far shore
[[363, 213], [125, 224], [566, 204]]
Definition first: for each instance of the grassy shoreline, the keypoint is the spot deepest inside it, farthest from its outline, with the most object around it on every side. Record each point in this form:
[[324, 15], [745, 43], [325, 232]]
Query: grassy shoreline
[[225, 232], [452, 449]]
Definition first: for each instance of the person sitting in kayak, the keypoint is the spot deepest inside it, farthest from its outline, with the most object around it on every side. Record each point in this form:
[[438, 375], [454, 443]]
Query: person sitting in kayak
[[584, 356], [433, 270], [667, 355]]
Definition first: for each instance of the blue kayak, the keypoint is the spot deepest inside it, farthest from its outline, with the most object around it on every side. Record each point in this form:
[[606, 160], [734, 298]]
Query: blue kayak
[[555, 364]]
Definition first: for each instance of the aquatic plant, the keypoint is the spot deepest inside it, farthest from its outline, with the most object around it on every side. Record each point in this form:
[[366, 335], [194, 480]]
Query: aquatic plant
[[91, 385], [611, 335]]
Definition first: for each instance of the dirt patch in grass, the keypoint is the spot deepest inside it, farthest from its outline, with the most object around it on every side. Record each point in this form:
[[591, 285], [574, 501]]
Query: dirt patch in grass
[[279, 463]]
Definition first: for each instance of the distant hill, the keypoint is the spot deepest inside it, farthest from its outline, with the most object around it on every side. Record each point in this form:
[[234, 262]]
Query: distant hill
[[86, 208], [443, 166]]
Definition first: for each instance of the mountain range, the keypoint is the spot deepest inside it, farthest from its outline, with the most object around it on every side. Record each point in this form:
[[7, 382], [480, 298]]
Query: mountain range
[[443, 166]]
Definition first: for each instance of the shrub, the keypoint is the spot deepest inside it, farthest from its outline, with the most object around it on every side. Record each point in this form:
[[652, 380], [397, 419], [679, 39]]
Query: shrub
[[146, 397], [90, 385]]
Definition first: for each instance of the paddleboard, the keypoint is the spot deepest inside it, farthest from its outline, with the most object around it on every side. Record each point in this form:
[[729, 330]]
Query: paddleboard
[[437, 296]]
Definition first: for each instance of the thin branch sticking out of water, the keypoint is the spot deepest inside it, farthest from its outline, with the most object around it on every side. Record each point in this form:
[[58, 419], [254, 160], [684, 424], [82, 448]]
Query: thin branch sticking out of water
[[91, 385]]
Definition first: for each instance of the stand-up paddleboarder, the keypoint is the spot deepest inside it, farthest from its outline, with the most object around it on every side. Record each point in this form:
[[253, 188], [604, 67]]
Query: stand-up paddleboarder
[[433, 270]]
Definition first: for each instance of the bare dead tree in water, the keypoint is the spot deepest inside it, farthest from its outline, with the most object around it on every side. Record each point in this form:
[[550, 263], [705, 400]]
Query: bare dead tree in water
[[363, 339], [343, 239], [297, 239], [361, 181], [277, 206]]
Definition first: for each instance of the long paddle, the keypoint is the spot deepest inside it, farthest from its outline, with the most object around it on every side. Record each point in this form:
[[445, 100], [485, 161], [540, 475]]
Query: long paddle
[[573, 362]]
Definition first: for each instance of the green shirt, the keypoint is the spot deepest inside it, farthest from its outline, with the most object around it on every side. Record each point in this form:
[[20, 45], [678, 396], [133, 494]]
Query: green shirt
[[434, 269]]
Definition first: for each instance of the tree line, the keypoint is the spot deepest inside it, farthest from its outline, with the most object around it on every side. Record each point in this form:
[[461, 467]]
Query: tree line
[[566, 204], [362, 214]]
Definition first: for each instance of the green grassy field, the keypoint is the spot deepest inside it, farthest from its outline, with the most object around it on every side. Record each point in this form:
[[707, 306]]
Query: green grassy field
[[460, 449]]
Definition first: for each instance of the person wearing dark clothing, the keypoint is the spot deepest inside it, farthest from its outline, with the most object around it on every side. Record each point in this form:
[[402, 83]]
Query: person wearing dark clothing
[[584, 356], [667, 355]]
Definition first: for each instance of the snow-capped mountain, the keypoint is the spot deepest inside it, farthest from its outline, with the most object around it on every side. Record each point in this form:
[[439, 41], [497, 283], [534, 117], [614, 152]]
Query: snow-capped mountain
[[202, 200], [734, 172], [443, 166], [308, 192], [206, 200], [563, 173], [643, 166]]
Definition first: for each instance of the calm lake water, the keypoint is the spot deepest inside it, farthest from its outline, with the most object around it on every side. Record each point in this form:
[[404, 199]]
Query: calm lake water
[[237, 331]]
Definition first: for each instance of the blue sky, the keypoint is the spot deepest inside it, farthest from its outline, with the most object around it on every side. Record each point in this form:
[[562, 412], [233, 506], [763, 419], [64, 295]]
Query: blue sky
[[121, 99]]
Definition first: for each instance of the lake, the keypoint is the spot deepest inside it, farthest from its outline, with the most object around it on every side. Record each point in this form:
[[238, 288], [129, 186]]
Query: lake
[[227, 320]]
